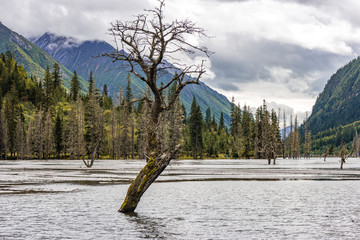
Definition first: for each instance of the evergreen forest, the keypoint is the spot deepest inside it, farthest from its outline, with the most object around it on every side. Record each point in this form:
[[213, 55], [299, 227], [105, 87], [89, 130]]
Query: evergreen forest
[[40, 119]]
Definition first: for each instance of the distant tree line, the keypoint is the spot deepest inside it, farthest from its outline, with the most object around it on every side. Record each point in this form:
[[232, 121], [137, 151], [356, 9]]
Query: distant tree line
[[41, 119], [330, 141]]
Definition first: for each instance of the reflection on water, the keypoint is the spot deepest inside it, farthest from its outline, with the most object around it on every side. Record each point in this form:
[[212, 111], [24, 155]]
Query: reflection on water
[[299, 209], [147, 227]]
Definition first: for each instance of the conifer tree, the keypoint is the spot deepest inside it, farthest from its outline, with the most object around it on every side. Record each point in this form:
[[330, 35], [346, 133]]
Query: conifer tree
[[143, 146], [94, 129], [105, 90], [258, 133], [105, 99], [80, 129], [129, 97], [5, 138], [307, 142], [214, 125], [49, 87], [195, 125], [56, 76], [175, 121], [246, 133], [125, 133], [296, 142], [91, 85], [275, 141], [75, 87], [48, 135], [266, 134], [37, 134], [208, 118], [235, 138], [113, 136], [12, 112], [162, 131], [357, 143], [221, 122], [233, 118], [58, 134], [284, 136], [29, 144], [20, 135], [291, 139], [238, 138], [70, 131]]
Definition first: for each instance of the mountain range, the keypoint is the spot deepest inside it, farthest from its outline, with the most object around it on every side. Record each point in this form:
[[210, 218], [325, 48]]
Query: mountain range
[[82, 56], [33, 58]]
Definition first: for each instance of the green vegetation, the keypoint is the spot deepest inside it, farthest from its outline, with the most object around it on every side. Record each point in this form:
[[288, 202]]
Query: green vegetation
[[33, 58], [329, 141], [338, 104], [40, 119]]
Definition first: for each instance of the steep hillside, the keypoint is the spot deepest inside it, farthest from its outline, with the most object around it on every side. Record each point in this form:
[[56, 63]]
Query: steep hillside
[[81, 56], [33, 58], [339, 103]]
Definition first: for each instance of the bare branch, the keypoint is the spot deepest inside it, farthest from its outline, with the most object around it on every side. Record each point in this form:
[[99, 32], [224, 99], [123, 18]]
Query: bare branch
[[146, 41]]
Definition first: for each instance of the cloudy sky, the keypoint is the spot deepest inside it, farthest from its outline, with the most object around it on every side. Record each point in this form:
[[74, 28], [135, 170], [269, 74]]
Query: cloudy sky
[[283, 51]]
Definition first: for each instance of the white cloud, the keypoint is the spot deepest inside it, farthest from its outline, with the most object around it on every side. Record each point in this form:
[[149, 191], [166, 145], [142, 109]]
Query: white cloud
[[287, 22], [281, 51]]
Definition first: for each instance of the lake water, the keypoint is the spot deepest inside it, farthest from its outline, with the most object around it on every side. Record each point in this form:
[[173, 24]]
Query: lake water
[[202, 199]]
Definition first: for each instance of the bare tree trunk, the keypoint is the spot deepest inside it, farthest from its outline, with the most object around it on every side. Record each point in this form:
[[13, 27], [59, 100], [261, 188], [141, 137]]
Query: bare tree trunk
[[89, 163], [152, 169], [132, 139]]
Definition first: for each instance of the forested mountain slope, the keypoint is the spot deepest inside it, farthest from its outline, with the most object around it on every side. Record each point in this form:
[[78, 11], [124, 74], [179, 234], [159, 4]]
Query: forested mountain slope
[[339, 103], [33, 58], [81, 56]]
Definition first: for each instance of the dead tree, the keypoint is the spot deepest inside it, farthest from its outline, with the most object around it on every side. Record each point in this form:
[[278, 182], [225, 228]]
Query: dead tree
[[342, 153], [146, 44]]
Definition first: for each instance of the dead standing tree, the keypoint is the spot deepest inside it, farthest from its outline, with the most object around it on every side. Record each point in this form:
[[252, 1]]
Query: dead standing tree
[[343, 150], [146, 44]]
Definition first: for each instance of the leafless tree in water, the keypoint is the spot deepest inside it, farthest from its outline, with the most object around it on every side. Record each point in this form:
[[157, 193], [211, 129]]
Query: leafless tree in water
[[146, 44]]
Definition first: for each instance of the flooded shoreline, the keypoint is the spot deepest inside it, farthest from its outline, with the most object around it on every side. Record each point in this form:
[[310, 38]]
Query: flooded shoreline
[[35, 176]]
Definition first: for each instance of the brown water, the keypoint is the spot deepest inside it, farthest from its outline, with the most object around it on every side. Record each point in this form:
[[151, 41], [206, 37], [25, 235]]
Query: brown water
[[209, 199]]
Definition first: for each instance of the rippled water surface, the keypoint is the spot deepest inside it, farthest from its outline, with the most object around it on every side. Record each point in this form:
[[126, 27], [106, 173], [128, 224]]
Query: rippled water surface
[[211, 199]]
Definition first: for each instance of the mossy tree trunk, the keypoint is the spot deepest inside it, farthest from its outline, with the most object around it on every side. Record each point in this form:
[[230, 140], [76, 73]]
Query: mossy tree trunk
[[156, 161], [149, 173]]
